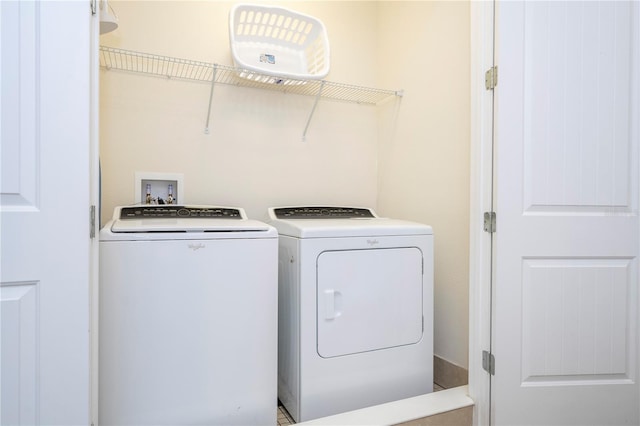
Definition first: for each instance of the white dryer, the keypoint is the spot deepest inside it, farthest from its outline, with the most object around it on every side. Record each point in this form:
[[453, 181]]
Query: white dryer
[[355, 319], [188, 322]]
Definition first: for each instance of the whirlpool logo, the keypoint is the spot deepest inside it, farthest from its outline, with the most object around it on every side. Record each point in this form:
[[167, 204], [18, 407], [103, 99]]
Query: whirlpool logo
[[195, 247]]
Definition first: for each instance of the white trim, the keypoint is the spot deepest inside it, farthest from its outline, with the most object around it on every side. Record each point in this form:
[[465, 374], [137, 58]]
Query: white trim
[[481, 181], [404, 410], [94, 194]]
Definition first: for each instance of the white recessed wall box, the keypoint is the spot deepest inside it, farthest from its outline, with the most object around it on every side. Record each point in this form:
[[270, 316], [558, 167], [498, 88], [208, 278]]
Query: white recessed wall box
[[159, 188]]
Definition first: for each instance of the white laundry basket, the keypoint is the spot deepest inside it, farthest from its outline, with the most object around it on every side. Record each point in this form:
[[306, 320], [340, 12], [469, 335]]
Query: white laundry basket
[[277, 45]]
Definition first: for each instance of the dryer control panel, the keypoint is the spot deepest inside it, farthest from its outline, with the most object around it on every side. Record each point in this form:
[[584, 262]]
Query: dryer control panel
[[315, 212], [171, 211]]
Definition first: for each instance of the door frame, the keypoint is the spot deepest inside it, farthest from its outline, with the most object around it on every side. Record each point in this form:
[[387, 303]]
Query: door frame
[[94, 199], [481, 200]]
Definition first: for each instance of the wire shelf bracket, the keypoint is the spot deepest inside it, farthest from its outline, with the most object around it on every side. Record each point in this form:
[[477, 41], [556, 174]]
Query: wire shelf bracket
[[313, 110], [213, 83], [185, 69]]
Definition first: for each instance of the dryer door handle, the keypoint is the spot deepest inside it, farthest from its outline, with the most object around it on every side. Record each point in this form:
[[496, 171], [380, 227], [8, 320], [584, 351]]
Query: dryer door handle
[[332, 304]]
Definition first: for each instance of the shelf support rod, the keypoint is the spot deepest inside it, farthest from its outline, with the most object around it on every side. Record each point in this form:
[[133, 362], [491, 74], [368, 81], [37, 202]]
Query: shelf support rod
[[315, 104], [213, 83]]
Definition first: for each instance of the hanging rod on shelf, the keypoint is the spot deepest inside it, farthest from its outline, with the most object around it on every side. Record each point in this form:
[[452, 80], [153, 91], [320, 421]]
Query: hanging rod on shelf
[[112, 58]]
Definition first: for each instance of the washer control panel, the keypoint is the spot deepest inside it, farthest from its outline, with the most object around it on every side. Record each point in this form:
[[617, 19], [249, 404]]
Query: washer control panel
[[322, 213], [169, 211]]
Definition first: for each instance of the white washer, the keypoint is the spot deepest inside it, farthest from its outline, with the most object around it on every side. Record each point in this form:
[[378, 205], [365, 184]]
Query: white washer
[[355, 321], [188, 317]]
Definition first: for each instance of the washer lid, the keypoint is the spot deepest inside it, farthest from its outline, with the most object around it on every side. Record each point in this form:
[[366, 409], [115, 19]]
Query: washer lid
[[324, 222]]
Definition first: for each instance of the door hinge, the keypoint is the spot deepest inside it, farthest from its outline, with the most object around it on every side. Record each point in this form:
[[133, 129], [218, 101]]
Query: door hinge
[[92, 222], [490, 222], [489, 362], [491, 78]]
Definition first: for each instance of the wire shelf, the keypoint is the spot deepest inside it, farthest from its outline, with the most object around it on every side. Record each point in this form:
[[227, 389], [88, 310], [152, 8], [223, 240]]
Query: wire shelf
[[185, 69]]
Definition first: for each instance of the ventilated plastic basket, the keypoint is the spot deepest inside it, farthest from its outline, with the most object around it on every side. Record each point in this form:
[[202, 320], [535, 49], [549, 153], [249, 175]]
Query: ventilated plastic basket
[[277, 45]]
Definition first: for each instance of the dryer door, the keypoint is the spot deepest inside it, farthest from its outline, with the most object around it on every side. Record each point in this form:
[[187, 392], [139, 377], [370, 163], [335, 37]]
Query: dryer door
[[368, 300]]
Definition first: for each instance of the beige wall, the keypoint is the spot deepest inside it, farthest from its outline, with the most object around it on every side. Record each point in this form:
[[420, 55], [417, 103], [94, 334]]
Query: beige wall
[[253, 156], [424, 152], [407, 158]]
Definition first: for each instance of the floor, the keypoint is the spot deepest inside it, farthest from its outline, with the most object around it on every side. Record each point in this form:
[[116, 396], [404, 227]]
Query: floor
[[284, 419]]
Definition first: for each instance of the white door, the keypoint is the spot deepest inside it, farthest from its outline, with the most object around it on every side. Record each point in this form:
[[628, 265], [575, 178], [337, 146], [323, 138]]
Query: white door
[[566, 279], [44, 222]]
